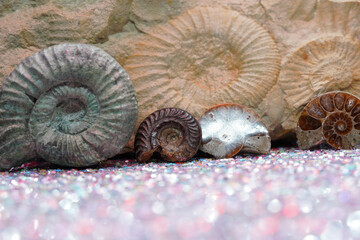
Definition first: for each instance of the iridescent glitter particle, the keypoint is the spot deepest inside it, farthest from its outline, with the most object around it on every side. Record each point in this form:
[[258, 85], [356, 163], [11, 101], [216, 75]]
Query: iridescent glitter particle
[[288, 194]]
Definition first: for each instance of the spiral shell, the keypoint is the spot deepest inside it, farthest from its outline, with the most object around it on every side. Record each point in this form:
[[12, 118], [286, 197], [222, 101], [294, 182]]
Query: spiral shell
[[71, 104], [323, 65], [172, 132], [333, 117], [202, 58], [229, 128]]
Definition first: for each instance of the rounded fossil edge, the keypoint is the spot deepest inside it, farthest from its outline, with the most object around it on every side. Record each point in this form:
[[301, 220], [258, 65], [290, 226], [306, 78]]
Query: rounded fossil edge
[[334, 118], [173, 120], [66, 64], [230, 128]]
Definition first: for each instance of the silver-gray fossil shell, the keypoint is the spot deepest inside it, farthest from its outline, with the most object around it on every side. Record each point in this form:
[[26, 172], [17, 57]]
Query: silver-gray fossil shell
[[71, 104], [230, 128]]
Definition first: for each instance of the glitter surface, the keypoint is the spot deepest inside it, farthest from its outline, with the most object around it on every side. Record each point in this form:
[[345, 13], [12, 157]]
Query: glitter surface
[[288, 194]]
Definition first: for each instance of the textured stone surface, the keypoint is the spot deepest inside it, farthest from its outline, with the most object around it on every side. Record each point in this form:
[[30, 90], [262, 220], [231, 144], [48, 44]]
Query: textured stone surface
[[29, 26], [118, 26]]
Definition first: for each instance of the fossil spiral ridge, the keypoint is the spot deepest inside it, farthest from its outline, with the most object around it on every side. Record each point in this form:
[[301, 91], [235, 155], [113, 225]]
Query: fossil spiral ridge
[[172, 132], [333, 117], [71, 104], [204, 57], [330, 63]]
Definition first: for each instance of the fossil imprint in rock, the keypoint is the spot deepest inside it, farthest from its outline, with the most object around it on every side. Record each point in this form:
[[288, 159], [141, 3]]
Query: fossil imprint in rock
[[230, 128], [204, 57], [333, 117], [71, 104], [327, 64], [172, 132]]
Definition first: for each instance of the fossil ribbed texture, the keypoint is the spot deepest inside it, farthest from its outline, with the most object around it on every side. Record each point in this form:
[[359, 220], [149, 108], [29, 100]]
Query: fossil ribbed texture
[[322, 65], [72, 104], [204, 57], [172, 132], [333, 117], [326, 64]]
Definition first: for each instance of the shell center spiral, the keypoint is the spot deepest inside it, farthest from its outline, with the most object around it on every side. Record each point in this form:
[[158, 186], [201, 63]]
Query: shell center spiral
[[68, 109], [171, 137], [330, 75], [338, 123], [340, 126], [69, 113], [206, 63]]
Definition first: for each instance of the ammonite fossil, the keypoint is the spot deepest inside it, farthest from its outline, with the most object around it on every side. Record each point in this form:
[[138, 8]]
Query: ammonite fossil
[[71, 104], [327, 64], [333, 117], [172, 132], [230, 128], [204, 57]]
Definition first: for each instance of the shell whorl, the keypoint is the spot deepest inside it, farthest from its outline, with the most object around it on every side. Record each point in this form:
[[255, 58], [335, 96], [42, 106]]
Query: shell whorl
[[334, 117], [72, 104], [230, 128], [202, 58], [172, 132], [327, 64]]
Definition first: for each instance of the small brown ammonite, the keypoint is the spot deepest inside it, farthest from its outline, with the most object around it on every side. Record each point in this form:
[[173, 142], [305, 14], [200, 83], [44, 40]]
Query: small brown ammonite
[[172, 132], [333, 117]]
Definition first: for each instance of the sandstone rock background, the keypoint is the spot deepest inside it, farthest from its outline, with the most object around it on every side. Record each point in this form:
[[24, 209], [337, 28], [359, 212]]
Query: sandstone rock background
[[26, 26]]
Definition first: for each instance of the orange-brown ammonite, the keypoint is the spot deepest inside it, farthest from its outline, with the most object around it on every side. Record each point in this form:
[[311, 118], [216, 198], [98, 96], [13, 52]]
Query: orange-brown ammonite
[[333, 117]]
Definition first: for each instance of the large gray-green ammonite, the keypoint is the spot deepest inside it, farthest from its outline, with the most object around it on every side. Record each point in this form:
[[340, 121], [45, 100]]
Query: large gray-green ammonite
[[71, 104]]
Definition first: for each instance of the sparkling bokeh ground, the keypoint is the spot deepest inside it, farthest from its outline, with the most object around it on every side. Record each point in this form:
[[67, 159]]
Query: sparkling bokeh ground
[[288, 194]]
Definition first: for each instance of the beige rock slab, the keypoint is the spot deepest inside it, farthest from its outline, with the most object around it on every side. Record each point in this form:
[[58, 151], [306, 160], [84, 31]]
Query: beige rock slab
[[147, 14], [27, 30]]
